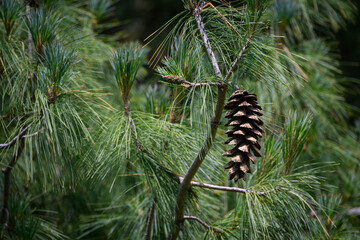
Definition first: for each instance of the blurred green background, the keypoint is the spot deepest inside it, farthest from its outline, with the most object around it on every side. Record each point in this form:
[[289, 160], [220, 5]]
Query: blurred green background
[[138, 19], [124, 21], [349, 49]]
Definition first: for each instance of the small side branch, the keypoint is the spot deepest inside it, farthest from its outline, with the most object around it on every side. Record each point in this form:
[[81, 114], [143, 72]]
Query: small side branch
[[150, 220], [13, 141], [238, 58], [186, 84], [202, 223], [228, 189], [32, 134], [205, 38]]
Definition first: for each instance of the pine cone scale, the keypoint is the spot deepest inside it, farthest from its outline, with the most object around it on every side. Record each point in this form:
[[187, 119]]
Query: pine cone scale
[[245, 132]]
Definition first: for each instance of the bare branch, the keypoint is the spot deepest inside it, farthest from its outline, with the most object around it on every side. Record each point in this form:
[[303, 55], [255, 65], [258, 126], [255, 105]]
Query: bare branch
[[186, 84], [32, 134], [238, 58], [205, 38], [13, 141], [227, 189], [202, 223], [150, 220]]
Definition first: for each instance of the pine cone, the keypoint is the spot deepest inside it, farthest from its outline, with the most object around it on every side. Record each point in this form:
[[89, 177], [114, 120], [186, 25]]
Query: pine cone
[[245, 133]]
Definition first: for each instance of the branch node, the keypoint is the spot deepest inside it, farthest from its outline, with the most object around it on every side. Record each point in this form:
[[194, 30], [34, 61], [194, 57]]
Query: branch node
[[13, 141]]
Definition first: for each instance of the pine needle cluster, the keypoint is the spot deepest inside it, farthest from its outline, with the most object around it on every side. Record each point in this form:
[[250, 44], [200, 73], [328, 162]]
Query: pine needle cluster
[[91, 149]]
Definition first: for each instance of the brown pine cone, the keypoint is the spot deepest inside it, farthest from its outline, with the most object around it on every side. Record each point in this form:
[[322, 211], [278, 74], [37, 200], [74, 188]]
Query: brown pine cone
[[245, 133]]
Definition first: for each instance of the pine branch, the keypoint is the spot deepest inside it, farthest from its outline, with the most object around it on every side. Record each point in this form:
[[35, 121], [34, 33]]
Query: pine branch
[[186, 84], [202, 223], [7, 174], [228, 189], [186, 183], [236, 61], [205, 38], [241, 53], [150, 220], [7, 171], [13, 141], [32, 134]]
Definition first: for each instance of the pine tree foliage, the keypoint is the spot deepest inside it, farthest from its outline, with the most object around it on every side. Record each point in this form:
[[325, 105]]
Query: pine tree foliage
[[94, 151]]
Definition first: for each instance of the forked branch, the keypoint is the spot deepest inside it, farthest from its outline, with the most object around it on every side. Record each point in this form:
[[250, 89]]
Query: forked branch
[[13, 141], [186, 183], [5, 215]]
